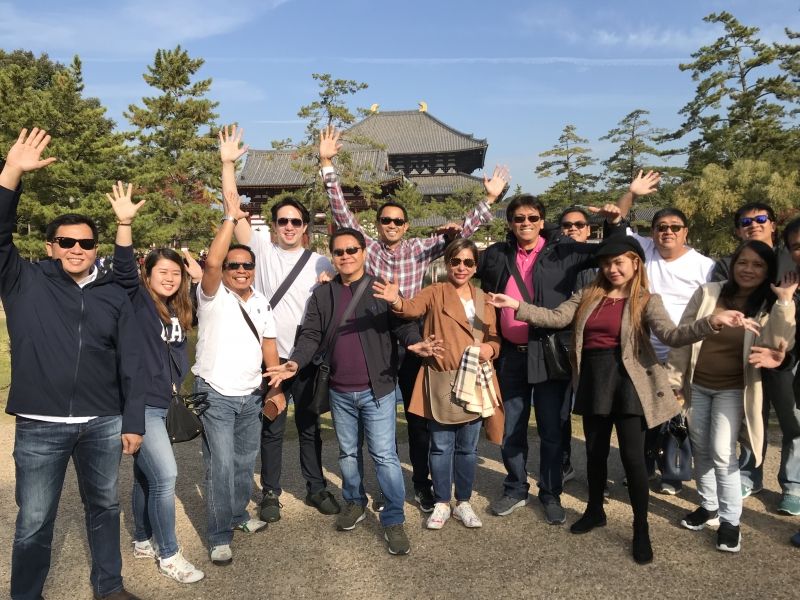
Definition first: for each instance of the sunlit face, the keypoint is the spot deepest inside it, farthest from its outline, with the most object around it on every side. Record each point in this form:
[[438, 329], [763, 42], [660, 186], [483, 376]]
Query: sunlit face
[[619, 270], [391, 224], [289, 227], [526, 223], [348, 257], [575, 226], [240, 278], [749, 228], [749, 270], [666, 240], [461, 268], [165, 278], [76, 261]]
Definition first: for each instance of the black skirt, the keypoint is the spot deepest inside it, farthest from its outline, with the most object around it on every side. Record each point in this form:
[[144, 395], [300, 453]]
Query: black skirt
[[604, 387]]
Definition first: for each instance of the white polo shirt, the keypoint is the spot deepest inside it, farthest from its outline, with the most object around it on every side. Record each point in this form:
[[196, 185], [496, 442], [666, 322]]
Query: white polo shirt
[[228, 353]]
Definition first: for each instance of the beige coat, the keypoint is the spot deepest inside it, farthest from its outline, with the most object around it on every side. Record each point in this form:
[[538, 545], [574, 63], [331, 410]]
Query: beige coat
[[649, 377], [778, 325]]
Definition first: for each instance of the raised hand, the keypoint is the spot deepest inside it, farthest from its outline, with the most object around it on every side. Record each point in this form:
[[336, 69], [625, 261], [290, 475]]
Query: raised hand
[[386, 291], [787, 287], [276, 375], [762, 357], [430, 346], [495, 186], [122, 202], [329, 144], [502, 301], [611, 212], [230, 138], [25, 156], [193, 267], [642, 185], [233, 206]]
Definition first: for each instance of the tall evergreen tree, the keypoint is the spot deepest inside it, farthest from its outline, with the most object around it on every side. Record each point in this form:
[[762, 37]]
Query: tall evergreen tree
[[568, 160], [636, 149]]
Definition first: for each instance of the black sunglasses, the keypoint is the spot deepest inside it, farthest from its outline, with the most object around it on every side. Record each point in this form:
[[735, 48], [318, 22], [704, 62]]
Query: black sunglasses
[[235, 266], [576, 224], [67, 242], [747, 221], [387, 220], [529, 218], [674, 227], [350, 250], [283, 222], [468, 262]]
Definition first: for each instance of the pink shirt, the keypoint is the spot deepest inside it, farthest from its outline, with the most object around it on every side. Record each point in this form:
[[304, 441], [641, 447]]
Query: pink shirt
[[515, 331]]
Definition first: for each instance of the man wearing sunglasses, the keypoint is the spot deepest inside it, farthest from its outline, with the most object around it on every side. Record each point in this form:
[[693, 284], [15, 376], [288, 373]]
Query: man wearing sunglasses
[[574, 222], [404, 261], [75, 347], [756, 221], [275, 263]]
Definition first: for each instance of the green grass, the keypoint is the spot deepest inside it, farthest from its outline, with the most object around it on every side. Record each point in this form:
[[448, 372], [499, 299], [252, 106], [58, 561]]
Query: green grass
[[5, 366]]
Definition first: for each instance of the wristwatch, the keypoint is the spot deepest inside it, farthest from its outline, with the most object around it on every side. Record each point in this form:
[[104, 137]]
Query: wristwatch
[[229, 218]]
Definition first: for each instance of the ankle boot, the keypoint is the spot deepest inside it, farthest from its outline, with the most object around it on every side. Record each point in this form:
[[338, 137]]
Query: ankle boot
[[642, 550], [593, 517]]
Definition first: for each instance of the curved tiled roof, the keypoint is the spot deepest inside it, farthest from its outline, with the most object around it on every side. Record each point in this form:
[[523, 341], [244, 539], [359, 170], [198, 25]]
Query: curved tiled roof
[[444, 184]]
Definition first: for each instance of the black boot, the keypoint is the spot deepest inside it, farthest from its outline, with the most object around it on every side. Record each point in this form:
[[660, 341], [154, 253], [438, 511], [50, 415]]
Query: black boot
[[593, 517], [642, 550]]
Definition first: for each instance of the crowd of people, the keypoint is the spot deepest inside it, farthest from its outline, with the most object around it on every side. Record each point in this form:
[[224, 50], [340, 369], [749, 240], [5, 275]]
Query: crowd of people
[[97, 356]]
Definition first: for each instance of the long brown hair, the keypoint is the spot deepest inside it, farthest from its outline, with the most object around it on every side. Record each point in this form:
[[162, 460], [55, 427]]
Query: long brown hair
[[639, 295], [179, 303]]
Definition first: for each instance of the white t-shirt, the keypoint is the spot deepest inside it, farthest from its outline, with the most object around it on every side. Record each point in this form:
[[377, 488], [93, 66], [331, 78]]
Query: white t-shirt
[[273, 264], [674, 280], [228, 354]]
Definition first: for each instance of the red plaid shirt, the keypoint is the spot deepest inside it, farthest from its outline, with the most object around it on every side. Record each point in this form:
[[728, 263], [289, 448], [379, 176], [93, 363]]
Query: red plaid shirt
[[406, 264]]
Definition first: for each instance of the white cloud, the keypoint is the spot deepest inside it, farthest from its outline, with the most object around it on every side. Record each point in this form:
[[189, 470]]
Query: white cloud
[[518, 60], [656, 38]]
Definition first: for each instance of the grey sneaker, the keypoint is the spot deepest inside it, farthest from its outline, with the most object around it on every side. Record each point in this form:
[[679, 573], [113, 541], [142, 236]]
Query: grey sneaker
[[554, 513], [396, 536], [270, 508], [506, 505], [352, 514]]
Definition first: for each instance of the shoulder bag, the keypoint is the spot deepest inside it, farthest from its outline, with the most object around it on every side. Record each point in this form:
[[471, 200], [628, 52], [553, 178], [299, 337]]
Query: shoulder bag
[[183, 415]]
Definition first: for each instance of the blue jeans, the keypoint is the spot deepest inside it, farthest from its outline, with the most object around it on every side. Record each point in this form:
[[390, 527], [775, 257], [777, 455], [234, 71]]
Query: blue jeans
[[154, 475], [352, 411], [230, 446], [549, 398], [453, 456], [41, 453]]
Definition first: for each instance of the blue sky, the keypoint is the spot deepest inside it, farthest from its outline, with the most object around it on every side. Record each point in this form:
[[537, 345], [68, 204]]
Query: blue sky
[[513, 72]]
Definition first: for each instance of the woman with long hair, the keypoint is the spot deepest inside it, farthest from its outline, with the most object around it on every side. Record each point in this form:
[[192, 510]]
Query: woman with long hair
[[458, 315], [163, 307], [720, 386], [620, 382]]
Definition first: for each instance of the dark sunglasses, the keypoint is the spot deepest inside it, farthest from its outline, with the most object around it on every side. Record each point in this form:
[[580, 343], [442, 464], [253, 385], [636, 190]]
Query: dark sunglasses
[[529, 218], [350, 250], [468, 262], [576, 224], [235, 266], [283, 222], [387, 220], [747, 221], [674, 227], [67, 242]]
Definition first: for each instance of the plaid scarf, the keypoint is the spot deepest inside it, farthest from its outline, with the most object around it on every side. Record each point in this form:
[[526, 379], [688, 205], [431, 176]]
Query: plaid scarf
[[473, 389]]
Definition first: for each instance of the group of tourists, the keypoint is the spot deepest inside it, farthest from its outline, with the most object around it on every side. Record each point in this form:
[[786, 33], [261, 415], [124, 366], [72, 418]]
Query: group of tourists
[[97, 357]]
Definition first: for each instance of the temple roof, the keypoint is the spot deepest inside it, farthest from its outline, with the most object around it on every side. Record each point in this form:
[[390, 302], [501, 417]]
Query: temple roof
[[444, 184]]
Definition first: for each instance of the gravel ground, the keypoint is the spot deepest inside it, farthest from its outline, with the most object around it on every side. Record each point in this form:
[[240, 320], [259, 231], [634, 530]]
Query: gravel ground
[[518, 556]]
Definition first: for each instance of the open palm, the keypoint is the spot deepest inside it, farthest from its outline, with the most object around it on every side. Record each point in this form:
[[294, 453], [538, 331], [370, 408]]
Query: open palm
[[26, 153]]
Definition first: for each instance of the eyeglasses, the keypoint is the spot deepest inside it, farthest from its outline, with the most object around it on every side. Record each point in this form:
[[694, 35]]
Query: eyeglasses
[[468, 262], [67, 242], [283, 222], [387, 220], [674, 227], [747, 221], [576, 225], [235, 266], [350, 250], [530, 218]]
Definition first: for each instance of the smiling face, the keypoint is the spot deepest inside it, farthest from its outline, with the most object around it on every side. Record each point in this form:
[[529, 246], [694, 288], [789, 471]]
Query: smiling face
[[240, 279], [668, 243], [619, 270], [750, 229], [289, 227], [459, 274], [350, 265], [165, 278], [749, 270], [76, 261], [389, 231], [574, 225], [525, 224]]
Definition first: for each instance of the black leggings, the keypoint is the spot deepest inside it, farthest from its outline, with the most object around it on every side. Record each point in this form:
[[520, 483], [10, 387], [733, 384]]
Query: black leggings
[[631, 431]]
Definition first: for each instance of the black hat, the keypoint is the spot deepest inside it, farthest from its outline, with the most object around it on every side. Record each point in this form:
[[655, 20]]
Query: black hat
[[618, 244]]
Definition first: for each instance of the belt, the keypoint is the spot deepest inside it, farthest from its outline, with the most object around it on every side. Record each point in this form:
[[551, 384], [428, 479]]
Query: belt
[[516, 347]]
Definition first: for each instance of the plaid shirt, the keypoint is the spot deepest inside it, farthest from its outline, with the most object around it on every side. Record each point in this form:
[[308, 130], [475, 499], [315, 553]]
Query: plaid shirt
[[406, 264]]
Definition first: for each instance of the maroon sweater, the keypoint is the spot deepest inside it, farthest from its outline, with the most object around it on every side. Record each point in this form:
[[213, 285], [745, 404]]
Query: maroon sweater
[[348, 365], [603, 326]]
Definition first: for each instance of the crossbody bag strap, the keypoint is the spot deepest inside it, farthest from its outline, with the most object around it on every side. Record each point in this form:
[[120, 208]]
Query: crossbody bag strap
[[172, 363], [250, 323], [479, 328], [523, 289], [333, 328], [287, 283]]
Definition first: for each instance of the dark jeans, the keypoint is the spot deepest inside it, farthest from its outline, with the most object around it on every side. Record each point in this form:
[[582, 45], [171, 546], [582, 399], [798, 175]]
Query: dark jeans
[[418, 435], [41, 453], [548, 404], [308, 434]]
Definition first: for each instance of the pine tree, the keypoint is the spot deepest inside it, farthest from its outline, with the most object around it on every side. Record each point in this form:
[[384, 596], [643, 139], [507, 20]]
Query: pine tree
[[569, 158], [636, 149]]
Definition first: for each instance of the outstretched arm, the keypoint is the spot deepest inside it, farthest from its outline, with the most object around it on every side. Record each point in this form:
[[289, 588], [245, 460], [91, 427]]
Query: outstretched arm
[[125, 210], [329, 146], [212, 274], [231, 149]]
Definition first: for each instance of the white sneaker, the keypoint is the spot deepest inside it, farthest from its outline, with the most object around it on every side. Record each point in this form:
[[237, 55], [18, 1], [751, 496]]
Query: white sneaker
[[464, 513], [252, 526], [144, 550], [221, 555], [439, 516], [180, 569]]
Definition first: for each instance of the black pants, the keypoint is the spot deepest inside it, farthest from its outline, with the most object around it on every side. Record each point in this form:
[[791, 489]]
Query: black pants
[[418, 437], [309, 437], [631, 431]]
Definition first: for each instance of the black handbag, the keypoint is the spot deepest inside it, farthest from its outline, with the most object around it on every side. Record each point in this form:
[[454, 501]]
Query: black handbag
[[674, 450], [183, 415]]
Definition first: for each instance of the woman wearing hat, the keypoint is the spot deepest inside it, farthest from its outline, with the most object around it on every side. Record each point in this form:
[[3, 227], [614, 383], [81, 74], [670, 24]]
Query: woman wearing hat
[[620, 381]]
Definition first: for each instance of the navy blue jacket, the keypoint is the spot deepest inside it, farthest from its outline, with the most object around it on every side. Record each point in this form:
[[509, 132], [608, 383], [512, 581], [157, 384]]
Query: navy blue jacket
[[74, 351], [157, 374]]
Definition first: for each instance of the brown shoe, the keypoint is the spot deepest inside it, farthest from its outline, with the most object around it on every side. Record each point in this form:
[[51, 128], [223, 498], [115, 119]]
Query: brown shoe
[[122, 594]]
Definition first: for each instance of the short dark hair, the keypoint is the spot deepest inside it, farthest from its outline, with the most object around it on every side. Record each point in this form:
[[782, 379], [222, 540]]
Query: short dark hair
[[524, 200], [670, 211], [572, 209], [294, 203], [69, 219], [239, 247], [347, 231], [750, 207], [457, 245], [791, 228], [389, 203]]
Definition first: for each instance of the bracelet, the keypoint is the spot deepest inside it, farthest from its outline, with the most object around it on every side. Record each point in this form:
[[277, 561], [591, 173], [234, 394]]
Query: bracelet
[[121, 224], [396, 302], [229, 218]]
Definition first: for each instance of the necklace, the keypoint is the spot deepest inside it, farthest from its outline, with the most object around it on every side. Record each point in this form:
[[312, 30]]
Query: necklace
[[606, 301]]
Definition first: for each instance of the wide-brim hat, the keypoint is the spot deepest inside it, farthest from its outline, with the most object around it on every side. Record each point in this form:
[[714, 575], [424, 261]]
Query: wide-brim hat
[[616, 245]]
